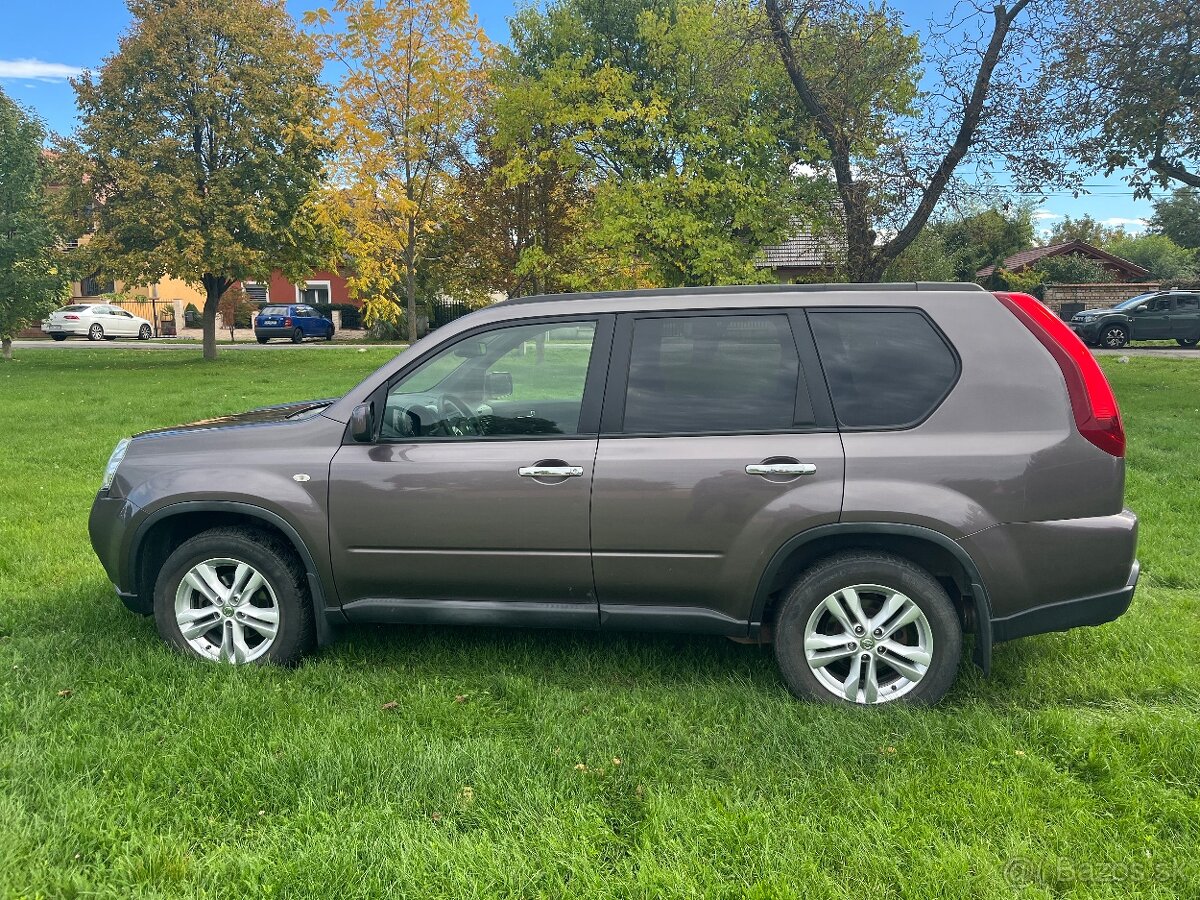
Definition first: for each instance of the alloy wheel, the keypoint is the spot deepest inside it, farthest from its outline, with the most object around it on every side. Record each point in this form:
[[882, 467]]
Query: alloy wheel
[[868, 644], [227, 611]]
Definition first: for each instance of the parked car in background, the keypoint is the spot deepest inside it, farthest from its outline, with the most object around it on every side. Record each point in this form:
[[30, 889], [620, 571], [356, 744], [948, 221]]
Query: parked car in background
[[859, 473], [1155, 316], [96, 322], [294, 322]]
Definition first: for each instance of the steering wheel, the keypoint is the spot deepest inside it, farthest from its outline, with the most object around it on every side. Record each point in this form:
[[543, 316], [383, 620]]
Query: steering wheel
[[466, 423]]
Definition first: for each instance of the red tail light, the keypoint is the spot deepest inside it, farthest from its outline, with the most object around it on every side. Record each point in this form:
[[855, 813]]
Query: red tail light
[[1092, 401], [71, 317], [287, 323]]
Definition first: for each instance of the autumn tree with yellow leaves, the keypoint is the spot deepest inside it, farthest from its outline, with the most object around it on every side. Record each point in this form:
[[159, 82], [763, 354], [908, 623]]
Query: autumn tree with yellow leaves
[[412, 72]]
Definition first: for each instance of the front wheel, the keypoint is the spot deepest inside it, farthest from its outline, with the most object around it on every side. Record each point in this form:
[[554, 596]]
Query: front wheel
[[866, 628], [235, 595], [144, 333], [1187, 342], [1114, 337], [329, 334]]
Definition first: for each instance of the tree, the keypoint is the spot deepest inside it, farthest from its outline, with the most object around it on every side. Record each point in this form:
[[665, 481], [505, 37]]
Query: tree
[[412, 74], [31, 279], [200, 148], [1158, 254], [1178, 217], [235, 308], [984, 238], [1125, 88], [894, 150], [1085, 229]]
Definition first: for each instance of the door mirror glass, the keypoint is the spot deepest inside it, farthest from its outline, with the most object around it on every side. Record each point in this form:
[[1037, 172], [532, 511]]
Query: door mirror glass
[[362, 421], [499, 384]]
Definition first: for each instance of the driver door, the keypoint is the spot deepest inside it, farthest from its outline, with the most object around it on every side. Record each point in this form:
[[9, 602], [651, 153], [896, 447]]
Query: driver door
[[1152, 321], [476, 496]]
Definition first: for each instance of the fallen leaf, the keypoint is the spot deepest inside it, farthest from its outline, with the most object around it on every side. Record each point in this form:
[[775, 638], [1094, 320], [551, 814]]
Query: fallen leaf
[[460, 698], [580, 767], [616, 760], [66, 692], [391, 704]]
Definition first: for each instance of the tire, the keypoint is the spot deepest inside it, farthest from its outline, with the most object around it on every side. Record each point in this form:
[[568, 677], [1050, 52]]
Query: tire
[[144, 333], [59, 337], [262, 340], [804, 617], [297, 336], [283, 595], [1113, 337], [329, 334], [1187, 342], [96, 332]]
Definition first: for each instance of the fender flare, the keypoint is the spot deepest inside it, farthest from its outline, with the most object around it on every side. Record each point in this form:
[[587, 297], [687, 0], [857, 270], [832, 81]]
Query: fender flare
[[324, 631], [982, 655]]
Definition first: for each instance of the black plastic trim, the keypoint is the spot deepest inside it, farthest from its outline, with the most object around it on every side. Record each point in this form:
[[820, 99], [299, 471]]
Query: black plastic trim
[[1094, 610], [500, 613], [982, 605], [675, 619], [321, 613]]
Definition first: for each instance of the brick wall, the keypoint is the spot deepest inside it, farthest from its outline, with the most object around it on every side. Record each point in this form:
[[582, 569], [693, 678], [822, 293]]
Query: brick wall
[[1093, 296]]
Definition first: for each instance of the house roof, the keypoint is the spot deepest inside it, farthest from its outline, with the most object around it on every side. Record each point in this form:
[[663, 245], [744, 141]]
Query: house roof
[[806, 249], [1027, 258]]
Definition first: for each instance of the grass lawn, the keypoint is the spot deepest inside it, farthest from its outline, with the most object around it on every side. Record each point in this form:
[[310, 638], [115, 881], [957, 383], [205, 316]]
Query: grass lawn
[[435, 762]]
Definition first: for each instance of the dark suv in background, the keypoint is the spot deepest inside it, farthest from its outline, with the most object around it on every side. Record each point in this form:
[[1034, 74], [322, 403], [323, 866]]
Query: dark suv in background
[[860, 474], [1156, 316]]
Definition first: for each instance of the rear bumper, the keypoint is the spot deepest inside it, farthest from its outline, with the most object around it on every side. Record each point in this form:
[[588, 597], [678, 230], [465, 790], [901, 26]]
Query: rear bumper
[[65, 328], [1094, 610], [273, 331]]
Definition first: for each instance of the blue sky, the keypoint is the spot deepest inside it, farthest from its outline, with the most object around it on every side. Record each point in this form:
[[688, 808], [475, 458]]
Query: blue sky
[[43, 43]]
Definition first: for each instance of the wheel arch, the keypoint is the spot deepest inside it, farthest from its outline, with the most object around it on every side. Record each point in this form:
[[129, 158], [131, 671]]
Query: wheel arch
[[166, 528], [940, 555]]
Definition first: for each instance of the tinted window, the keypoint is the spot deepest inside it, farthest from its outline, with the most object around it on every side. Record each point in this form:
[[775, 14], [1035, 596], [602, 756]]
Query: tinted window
[[711, 374], [1187, 302], [274, 311], [885, 369]]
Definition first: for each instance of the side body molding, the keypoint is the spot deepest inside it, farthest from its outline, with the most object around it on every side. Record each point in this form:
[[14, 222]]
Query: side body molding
[[321, 614], [982, 606]]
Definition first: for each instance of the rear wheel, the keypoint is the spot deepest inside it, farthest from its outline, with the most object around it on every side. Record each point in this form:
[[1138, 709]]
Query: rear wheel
[[297, 336], [866, 628], [144, 333], [1114, 337], [96, 332], [59, 337], [1187, 342], [234, 595]]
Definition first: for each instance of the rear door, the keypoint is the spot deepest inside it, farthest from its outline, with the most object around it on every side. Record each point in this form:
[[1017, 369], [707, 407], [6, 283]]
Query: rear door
[[1185, 320], [717, 445]]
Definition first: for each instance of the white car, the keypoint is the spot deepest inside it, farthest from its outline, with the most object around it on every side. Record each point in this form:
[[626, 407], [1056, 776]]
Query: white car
[[96, 322]]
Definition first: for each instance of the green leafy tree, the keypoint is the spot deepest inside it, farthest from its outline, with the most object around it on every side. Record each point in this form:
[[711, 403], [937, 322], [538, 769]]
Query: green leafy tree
[[893, 149], [32, 281], [1158, 254], [1178, 217], [985, 238], [1125, 88], [1066, 269], [1085, 229], [201, 149]]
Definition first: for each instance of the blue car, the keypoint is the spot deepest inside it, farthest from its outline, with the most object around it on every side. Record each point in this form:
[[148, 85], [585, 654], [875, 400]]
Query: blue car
[[295, 322]]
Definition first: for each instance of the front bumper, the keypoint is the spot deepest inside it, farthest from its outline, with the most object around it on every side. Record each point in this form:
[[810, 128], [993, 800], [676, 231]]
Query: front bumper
[[110, 529], [1088, 331]]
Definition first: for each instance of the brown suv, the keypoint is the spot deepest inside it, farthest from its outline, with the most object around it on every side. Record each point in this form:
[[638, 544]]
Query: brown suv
[[861, 474]]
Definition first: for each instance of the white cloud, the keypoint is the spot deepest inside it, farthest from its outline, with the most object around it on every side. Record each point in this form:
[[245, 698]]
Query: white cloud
[[37, 69], [1121, 222], [1043, 214]]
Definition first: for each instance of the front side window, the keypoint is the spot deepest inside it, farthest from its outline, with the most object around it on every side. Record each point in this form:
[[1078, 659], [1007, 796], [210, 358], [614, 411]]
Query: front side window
[[523, 381], [885, 368], [704, 374]]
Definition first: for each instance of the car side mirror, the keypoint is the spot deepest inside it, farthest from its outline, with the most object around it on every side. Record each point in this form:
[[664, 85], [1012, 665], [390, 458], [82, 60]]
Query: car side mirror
[[498, 384], [362, 422]]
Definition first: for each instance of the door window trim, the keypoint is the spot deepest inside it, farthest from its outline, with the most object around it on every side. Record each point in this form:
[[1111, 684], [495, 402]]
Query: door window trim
[[814, 389], [593, 383]]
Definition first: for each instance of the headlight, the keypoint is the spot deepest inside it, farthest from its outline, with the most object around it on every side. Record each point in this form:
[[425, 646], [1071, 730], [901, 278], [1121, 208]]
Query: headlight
[[110, 471]]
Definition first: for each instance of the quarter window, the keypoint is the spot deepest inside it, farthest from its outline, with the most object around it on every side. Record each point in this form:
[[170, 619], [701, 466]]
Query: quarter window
[[697, 374], [885, 368]]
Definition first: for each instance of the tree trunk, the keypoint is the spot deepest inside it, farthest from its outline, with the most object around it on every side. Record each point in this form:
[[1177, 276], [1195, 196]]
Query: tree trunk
[[214, 287], [6, 347]]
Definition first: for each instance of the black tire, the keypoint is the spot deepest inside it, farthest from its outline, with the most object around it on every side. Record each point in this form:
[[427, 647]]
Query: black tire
[[868, 568], [262, 340], [297, 336], [329, 334], [273, 557], [144, 333], [96, 332], [1113, 337], [1187, 342], [59, 337]]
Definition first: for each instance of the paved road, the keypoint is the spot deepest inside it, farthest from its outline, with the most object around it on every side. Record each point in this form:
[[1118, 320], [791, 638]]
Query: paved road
[[222, 346], [1160, 352]]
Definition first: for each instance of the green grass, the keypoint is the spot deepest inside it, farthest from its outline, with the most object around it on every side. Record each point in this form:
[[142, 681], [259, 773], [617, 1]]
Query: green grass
[[1074, 771]]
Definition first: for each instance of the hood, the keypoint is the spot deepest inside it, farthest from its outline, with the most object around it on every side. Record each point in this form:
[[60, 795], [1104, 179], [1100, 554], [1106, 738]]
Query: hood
[[264, 415]]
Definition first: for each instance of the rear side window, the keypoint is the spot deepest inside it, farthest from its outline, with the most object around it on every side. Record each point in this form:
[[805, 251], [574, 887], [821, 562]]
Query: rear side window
[[886, 368], [1187, 302], [698, 374]]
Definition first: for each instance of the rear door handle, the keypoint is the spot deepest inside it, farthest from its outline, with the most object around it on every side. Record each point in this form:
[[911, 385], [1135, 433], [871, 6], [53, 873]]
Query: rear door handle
[[550, 471], [781, 469]]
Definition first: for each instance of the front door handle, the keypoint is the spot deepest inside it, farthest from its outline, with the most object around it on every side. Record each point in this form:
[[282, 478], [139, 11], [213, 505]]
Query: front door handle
[[543, 471], [781, 469]]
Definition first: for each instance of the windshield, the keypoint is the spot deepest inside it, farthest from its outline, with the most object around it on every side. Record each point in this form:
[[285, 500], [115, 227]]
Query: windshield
[[1133, 301]]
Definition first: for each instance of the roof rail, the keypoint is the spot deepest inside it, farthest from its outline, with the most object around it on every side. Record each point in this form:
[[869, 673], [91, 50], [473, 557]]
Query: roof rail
[[750, 288]]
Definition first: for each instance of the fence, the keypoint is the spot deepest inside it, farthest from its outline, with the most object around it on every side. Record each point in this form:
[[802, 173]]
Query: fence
[[1077, 297]]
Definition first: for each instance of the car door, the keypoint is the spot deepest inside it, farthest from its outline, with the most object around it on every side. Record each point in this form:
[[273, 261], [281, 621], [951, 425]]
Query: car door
[[1152, 320], [124, 323], [477, 488], [1185, 319], [308, 320], [717, 445]]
